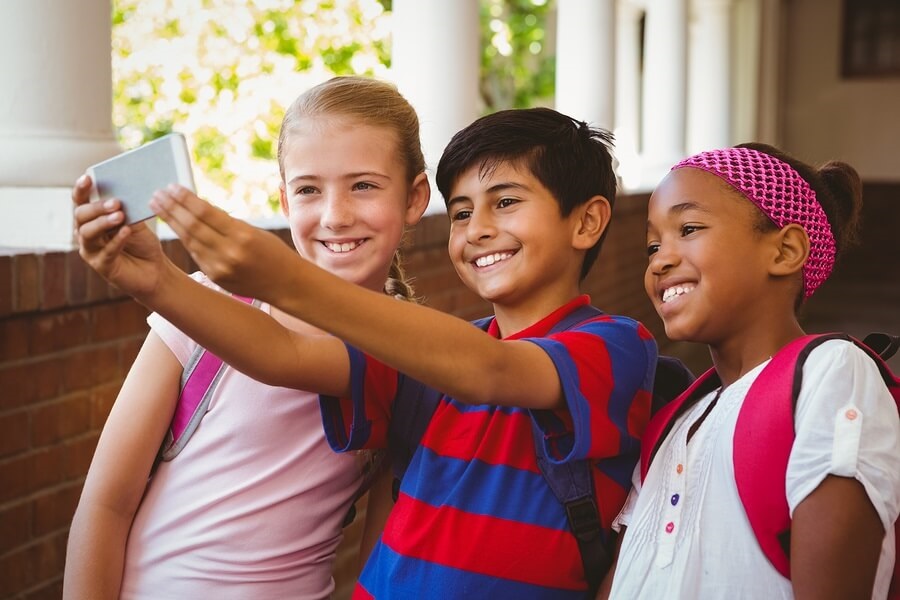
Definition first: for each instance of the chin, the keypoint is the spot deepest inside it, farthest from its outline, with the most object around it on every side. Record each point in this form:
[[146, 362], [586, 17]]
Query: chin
[[676, 333]]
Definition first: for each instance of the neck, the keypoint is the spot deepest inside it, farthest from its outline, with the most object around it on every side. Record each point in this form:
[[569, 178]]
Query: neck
[[512, 319], [736, 356]]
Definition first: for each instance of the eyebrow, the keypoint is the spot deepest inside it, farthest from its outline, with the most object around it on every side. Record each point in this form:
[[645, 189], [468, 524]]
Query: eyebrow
[[494, 189], [683, 207], [686, 206], [357, 175]]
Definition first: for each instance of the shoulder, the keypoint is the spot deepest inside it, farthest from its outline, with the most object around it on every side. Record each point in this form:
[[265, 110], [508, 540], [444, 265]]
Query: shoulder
[[837, 373], [614, 325], [611, 342], [619, 334], [841, 356], [177, 341]]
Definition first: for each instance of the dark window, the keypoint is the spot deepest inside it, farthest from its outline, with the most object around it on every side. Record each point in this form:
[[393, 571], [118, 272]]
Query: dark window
[[871, 38]]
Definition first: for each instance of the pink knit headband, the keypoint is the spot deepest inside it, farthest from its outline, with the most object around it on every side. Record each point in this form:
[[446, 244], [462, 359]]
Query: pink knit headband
[[781, 194]]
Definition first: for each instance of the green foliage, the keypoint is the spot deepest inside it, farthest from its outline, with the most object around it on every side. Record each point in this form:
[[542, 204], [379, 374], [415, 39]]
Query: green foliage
[[223, 71], [517, 71]]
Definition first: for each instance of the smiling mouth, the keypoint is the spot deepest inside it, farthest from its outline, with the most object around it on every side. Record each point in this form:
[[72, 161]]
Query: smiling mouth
[[676, 291], [492, 259], [343, 247]]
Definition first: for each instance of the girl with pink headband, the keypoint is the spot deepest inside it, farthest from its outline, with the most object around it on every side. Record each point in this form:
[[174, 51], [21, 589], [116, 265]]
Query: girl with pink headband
[[737, 240]]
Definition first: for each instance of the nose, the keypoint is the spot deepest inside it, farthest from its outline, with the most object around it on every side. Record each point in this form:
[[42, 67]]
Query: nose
[[337, 211], [481, 226], [662, 260]]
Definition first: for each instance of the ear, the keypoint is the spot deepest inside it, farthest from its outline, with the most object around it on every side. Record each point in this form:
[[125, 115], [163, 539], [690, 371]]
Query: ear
[[282, 199], [791, 245], [417, 200], [592, 220]]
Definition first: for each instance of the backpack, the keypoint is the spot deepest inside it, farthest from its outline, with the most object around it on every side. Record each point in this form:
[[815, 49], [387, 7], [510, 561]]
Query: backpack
[[198, 382], [199, 379], [572, 483], [764, 435]]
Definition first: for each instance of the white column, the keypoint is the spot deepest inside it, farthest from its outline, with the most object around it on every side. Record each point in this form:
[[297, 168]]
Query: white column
[[710, 68], [436, 60], [628, 92], [772, 44], [585, 60], [55, 112], [664, 87]]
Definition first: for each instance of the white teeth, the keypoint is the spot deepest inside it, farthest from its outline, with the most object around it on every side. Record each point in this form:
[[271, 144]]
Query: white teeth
[[343, 247], [675, 291], [486, 261]]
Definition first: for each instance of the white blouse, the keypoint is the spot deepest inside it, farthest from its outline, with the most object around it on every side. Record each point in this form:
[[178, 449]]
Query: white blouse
[[687, 534]]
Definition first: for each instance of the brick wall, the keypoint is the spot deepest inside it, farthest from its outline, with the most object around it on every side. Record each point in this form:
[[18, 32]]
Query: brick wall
[[67, 340]]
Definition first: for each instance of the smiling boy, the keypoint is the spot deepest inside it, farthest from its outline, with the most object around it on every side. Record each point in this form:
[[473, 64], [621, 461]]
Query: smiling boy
[[530, 196]]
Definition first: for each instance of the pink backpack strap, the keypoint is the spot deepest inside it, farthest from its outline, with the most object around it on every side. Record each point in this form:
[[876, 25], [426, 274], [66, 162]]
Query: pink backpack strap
[[764, 435], [198, 382], [661, 423]]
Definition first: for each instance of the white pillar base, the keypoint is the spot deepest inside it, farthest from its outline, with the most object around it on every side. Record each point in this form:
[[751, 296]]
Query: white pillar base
[[36, 217]]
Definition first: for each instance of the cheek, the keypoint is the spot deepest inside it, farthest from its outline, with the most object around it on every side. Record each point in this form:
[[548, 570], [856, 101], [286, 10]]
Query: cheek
[[649, 287], [301, 228], [455, 244]]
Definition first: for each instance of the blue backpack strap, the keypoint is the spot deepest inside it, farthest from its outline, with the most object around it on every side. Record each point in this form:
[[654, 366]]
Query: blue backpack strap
[[413, 408], [573, 485]]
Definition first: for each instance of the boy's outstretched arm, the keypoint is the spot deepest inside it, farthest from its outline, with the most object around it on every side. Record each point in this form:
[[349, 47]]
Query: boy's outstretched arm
[[836, 537], [131, 258], [438, 349]]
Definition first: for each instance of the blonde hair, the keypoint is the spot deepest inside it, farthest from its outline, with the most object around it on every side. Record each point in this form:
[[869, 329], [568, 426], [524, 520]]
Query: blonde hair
[[375, 103]]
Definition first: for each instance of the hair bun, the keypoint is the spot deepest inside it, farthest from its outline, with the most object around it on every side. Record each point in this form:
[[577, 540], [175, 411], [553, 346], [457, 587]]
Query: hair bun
[[845, 186]]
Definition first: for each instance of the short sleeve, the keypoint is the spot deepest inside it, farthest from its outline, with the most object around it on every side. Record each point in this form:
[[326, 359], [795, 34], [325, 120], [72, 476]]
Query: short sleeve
[[846, 425], [360, 421], [179, 343], [605, 368]]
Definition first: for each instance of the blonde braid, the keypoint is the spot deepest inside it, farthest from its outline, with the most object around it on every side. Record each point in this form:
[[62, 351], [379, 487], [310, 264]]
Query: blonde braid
[[398, 284]]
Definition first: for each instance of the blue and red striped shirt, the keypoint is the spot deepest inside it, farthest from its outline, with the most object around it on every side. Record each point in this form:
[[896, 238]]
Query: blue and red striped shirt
[[475, 517]]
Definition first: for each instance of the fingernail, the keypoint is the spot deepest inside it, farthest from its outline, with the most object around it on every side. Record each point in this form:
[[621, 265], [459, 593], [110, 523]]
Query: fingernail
[[114, 217], [109, 204], [81, 180]]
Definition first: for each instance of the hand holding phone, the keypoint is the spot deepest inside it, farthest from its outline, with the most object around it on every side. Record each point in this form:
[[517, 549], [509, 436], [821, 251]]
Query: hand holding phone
[[133, 176]]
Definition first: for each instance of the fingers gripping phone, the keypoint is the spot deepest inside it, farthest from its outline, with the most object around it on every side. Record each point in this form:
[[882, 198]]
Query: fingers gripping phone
[[133, 176]]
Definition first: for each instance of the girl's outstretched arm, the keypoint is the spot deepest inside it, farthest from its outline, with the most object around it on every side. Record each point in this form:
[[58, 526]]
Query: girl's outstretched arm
[[118, 473], [467, 364], [836, 538], [131, 258]]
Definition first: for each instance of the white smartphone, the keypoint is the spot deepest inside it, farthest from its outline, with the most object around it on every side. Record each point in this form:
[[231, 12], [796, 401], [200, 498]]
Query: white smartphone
[[133, 176]]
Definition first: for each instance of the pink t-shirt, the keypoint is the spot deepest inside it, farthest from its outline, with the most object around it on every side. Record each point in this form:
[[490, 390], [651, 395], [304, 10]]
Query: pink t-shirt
[[253, 505]]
